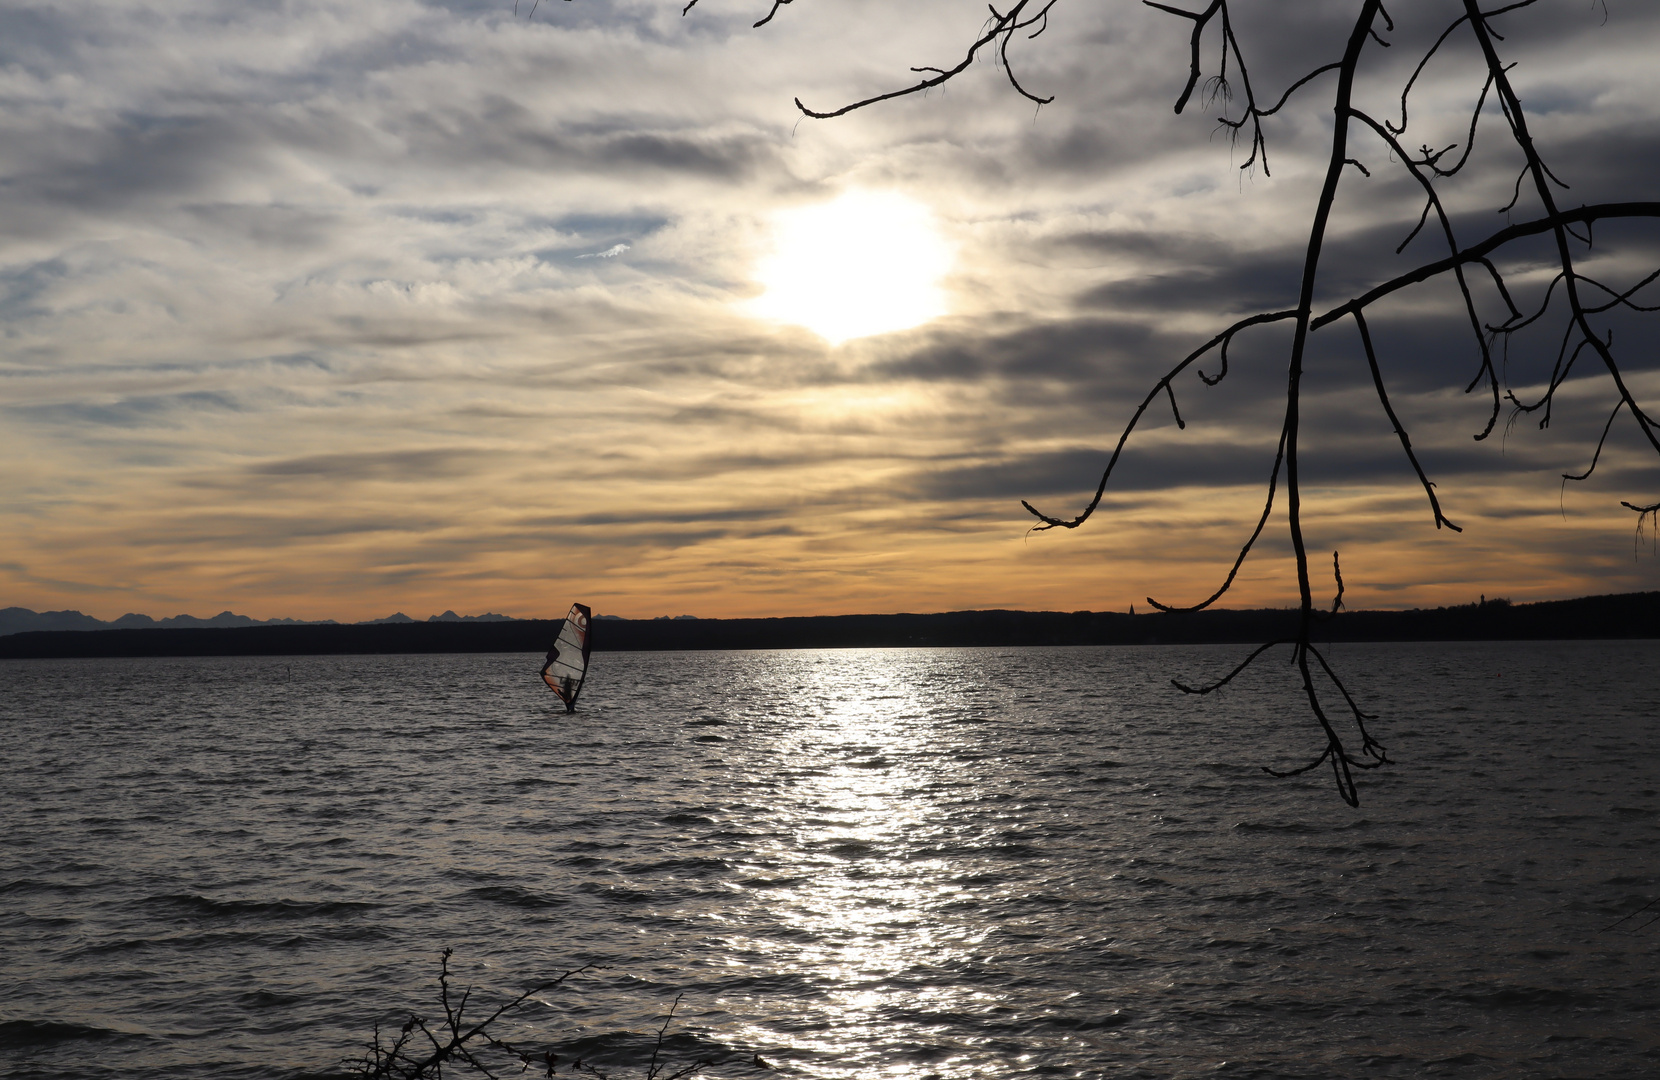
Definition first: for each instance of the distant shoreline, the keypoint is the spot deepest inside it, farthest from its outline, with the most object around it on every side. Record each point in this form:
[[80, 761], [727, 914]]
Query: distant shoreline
[[1626, 615]]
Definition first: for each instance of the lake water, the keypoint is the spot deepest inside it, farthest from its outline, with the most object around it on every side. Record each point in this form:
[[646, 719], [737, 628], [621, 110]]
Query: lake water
[[860, 863]]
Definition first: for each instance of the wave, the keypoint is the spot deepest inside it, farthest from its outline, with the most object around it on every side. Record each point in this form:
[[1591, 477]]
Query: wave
[[270, 909], [510, 896], [21, 1033]]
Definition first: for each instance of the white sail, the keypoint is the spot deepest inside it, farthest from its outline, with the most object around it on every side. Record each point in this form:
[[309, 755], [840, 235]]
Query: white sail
[[567, 662]]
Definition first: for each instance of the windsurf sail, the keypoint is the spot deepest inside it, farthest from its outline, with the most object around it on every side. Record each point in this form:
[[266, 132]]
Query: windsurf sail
[[567, 662]]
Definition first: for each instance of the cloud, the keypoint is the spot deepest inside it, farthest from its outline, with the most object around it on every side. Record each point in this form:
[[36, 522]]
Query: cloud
[[394, 465], [128, 412], [323, 308]]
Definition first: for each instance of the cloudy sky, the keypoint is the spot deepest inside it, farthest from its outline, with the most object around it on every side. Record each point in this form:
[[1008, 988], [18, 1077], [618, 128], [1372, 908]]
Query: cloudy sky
[[330, 308]]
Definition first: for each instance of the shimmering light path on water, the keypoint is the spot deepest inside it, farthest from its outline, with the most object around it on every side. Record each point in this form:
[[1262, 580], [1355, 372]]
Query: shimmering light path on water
[[899, 863]]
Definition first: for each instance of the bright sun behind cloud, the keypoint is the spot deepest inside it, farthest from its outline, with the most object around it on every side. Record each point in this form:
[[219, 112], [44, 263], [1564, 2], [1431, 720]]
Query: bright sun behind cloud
[[865, 263]]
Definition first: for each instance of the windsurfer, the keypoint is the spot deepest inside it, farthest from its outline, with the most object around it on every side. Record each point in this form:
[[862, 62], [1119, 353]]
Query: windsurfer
[[567, 662]]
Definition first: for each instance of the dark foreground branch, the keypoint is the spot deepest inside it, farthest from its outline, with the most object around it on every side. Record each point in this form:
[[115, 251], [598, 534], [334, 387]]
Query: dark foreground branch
[[421, 1049]]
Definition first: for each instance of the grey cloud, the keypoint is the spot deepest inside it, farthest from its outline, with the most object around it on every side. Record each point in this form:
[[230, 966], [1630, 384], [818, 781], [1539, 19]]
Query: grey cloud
[[720, 158], [403, 466], [1216, 274], [1147, 467], [1169, 247], [746, 514], [137, 157], [1075, 350], [1599, 168], [1081, 147], [504, 132], [1247, 286], [272, 226], [24, 290], [34, 37], [667, 539], [644, 532], [592, 226], [265, 530], [155, 410], [1076, 472]]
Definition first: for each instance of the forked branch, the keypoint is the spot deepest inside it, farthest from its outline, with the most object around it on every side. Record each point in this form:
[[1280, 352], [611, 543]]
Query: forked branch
[[999, 31]]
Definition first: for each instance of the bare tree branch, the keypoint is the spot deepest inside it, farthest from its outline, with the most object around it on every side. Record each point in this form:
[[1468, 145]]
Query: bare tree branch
[[1000, 30], [1395, 421], [1428, 167]]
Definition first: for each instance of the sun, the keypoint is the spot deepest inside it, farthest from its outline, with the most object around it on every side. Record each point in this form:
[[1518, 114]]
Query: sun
[[865, 263]]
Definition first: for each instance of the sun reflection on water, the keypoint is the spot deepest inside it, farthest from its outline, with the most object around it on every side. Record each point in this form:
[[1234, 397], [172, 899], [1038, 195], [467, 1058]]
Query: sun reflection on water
[[880, 912]]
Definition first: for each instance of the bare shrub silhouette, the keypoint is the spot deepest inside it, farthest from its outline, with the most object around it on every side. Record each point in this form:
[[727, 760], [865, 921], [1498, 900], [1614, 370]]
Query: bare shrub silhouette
[[421, 1050]]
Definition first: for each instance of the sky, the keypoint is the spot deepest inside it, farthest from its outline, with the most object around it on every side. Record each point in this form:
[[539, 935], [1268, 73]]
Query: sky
[[325, 309]]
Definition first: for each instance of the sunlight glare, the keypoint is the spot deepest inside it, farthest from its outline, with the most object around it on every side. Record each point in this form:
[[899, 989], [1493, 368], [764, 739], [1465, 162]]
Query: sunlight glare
[[865, 263]]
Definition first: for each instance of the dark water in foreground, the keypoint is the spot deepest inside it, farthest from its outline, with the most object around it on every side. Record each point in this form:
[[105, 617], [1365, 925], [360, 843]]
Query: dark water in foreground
[[902, 863]]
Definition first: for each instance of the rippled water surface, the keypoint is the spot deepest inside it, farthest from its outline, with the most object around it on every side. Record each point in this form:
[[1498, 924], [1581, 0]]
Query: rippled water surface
[[882, 863]]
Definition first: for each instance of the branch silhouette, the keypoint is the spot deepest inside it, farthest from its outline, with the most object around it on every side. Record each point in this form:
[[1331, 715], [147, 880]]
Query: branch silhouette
[[1229, 86], [421, 1050]]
